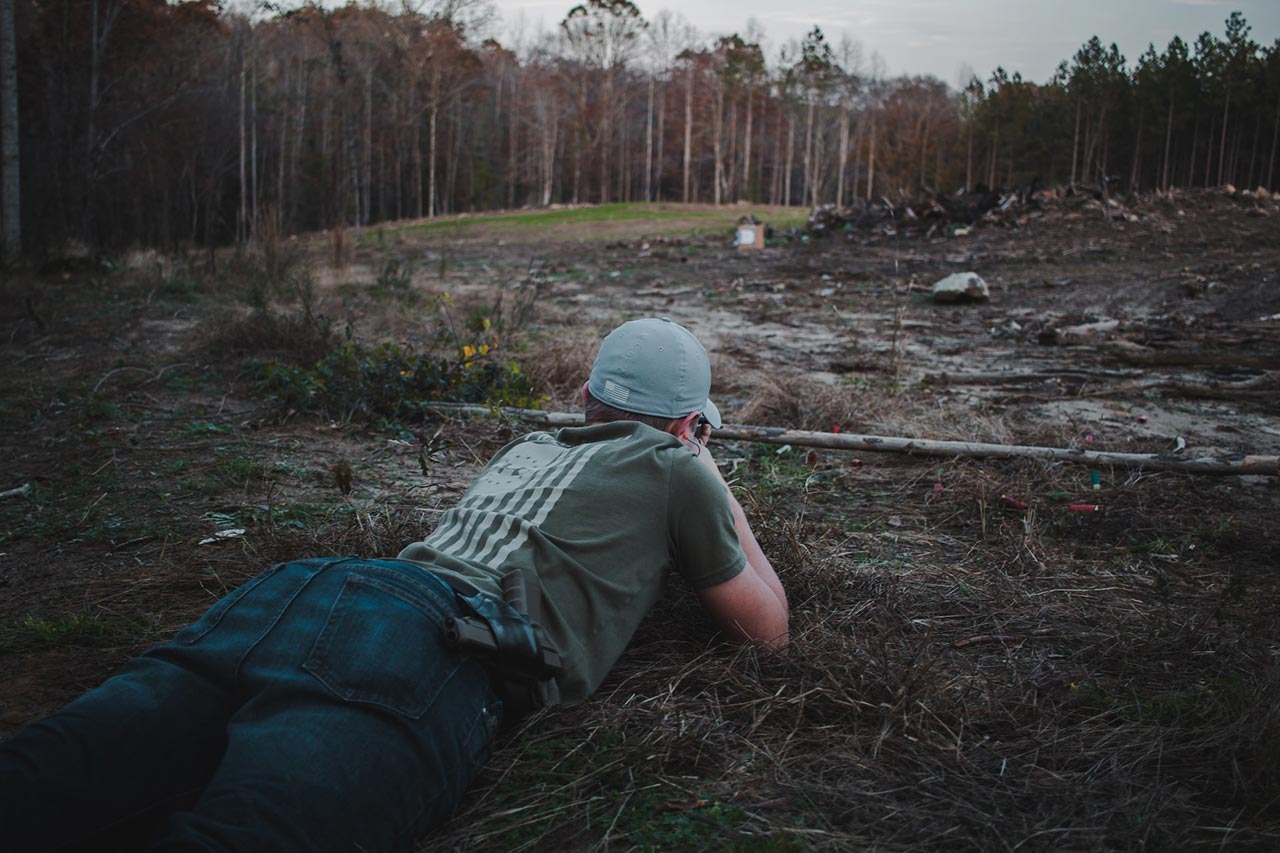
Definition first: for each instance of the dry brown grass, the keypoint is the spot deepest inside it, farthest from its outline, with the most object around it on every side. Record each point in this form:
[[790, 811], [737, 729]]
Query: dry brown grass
[[796, 402], [298, 338], [961, 675], [559, 365]]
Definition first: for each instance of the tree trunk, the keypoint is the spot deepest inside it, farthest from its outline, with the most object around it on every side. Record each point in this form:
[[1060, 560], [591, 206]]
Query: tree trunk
[[688, 131], [1088, 162], [761, 160], [844, 156], [624, 182], [1222, 143], [326, 135], [806, 186], [968, 159], [775, 174], [1275, 137], [513, 143], [1106, 148], [991, 162], [431, 137], [242, 220], [730, 169], [352, 130], [717, 142], [253, 146], [379, 201], [577, 166], [283, 151], [1191, 157], [648, 145], [298, 137], [398, 176], [1253, 151], [1232, 175], [99, 34], [416, 143], [662, 129], [1168, 139], [924, 148], [857, 157], [871, 159], [548, 142], [791, 147], [1075, 146], [367, 189], [449, 196], [746, 145], [606, 135], [817, 173], [10, 188], [1208, 154], [1137, 155]]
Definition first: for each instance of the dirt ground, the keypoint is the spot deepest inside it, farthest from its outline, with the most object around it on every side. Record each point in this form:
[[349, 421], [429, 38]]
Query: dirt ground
[[964, 672]]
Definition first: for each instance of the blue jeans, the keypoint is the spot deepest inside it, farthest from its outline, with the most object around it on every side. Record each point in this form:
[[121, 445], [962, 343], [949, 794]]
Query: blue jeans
[[314, 708]]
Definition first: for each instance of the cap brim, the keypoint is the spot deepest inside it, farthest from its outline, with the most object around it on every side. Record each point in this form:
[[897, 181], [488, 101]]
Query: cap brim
[[712, 414]]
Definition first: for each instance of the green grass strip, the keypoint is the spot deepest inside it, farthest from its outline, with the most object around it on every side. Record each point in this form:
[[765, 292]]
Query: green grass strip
[[658, 214]]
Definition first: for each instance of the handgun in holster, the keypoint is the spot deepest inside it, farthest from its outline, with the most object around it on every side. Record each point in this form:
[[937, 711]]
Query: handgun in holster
[[506, 636]]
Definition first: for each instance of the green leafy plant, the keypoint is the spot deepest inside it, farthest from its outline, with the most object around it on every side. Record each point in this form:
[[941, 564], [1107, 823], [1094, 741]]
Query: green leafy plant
[[75, 629], [393, 381]]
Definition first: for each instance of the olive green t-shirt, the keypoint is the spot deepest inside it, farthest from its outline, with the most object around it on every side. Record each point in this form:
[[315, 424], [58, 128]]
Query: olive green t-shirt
[[597, 516]]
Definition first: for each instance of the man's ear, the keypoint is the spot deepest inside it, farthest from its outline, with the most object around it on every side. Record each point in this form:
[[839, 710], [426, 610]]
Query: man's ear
[[584, 391], [684, 428]]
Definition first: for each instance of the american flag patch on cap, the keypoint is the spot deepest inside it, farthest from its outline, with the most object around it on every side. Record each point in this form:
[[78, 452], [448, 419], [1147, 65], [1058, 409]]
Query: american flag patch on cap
[[618, 393]]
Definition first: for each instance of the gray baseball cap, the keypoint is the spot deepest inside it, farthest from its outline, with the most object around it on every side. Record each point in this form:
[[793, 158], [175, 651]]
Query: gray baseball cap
[[656, 367]]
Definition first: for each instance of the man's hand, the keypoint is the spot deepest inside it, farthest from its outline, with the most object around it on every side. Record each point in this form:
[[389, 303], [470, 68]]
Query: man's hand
[[703, 434]]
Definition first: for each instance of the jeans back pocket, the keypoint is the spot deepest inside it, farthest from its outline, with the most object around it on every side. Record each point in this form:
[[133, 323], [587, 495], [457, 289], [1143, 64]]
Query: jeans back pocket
[[382, 645]]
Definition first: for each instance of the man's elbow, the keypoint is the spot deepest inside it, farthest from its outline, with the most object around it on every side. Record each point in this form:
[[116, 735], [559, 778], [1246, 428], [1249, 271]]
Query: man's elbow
[[778, 634], [771, 634], [779, 640], [746, 610]]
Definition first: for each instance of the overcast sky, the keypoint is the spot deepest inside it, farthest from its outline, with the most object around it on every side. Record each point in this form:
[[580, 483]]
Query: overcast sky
[[940, 37]]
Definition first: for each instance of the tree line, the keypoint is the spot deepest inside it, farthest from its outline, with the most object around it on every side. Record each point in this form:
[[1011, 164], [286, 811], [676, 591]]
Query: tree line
[[145, 122]]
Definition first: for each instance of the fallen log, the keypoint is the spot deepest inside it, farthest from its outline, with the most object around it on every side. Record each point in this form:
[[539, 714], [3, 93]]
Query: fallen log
[[1234, 464], [1185, 358], [1005, 377]]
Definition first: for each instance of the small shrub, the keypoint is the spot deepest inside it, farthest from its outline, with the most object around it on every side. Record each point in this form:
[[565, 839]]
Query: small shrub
[[396, 275], [298, 339], [272, 268], [515, 314], [391, 381], [339, 248]]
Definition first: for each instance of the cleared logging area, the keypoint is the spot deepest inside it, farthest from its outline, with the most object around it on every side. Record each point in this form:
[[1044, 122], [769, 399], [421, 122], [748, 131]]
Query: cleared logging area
[[966, 670]]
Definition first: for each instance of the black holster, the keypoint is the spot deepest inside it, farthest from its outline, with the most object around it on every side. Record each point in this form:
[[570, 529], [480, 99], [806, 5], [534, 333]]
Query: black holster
[[505, 635]]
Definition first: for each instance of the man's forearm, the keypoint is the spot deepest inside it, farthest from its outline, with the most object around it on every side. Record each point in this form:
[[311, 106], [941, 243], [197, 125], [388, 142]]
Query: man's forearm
[[756, 559]]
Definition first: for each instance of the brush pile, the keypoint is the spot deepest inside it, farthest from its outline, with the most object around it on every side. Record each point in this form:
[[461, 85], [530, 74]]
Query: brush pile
[[931, 214]]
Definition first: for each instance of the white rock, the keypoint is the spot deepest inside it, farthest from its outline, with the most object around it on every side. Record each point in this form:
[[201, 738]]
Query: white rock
[[961, 287]]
